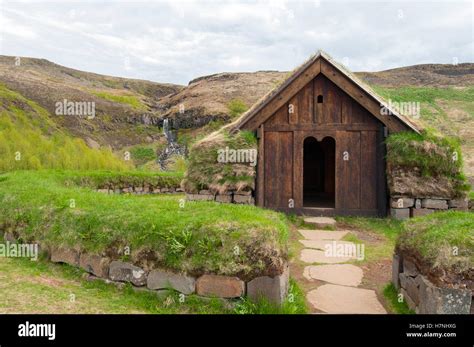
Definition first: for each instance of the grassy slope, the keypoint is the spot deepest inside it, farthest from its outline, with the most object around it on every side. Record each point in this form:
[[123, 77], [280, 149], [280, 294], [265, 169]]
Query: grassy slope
[[199, 237], [29, 139], [447, 110]]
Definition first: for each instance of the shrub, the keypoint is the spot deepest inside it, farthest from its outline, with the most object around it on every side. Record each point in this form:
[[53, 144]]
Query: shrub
[[236, 107], [141, 155]]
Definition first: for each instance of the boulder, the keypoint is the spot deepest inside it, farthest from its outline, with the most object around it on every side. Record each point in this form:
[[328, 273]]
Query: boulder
[[225, 198], [65, 255], [273, 289], [402, 202], [400, 213], [436, 204], [161, 279], [125, 272], [95, 264], [459, 204], [409, 268], [243, 199], [418, 203], [203, 197], [411, 304], [410, 285], [435, 300], [220, 286], [417, 212], [397, 268]]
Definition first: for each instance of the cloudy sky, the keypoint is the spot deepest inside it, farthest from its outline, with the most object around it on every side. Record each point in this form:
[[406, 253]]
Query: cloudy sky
[[178, 40]]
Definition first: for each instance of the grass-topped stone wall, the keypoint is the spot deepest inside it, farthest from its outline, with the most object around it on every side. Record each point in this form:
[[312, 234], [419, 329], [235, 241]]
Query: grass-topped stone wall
[[434, 261], [148, 240], [128, 182], [222, 167], [424, 174]]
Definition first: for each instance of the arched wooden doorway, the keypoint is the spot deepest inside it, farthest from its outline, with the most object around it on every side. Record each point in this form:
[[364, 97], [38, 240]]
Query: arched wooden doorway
[[319, 170]]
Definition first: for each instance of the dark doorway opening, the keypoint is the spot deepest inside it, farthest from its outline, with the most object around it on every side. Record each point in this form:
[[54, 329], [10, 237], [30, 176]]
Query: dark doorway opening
[[319, 172]]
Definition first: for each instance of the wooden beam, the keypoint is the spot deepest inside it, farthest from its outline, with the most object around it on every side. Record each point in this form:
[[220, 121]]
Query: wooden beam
[[354, 91], [260, 168], [283, 97], [323, 127]]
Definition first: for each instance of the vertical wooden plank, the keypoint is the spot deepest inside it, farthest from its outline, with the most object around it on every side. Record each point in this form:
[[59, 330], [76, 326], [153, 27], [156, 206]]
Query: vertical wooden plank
[[270, 174], [318, 90], [346, 112], [278, 168], [382, 198], [293, 118], [348, 173], [279, 118], [260, 167], [331, 102], [286, 164], [352, 171], [341, 146], [368, 166], [305, 101], [298, 169]]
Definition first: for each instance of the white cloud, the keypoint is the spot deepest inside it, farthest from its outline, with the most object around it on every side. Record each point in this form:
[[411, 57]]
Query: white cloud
[[178, 40]]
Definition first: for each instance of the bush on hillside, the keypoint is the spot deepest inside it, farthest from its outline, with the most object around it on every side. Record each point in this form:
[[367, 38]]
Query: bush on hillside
[[206, 172]]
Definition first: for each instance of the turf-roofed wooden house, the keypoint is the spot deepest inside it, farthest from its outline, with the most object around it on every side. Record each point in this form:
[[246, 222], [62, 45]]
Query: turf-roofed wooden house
[[320, 140]]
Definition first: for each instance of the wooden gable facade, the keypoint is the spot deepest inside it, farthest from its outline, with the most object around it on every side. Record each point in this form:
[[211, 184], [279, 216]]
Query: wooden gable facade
[[321, 144]]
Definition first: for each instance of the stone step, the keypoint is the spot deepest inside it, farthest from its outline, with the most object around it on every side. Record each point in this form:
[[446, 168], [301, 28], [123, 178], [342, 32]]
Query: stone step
[[323, 234], [343, 274], [312, 256], [321, 222], [332, 298]]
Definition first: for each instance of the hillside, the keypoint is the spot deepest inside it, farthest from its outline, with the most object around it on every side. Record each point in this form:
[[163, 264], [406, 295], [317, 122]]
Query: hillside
[[130, 112], [125, 108]]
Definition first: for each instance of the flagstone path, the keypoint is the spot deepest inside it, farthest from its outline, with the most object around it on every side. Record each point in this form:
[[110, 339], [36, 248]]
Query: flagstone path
[[339, 292]]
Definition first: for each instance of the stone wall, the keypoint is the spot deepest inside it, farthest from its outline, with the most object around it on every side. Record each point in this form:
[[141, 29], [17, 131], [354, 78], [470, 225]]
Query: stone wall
[[405, 207], [235, 197], [274, 289], [160, 280], [139, 190], [424, 297]]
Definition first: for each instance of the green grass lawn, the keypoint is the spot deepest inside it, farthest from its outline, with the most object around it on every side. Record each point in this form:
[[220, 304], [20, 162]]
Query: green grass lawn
[[195, 237]]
